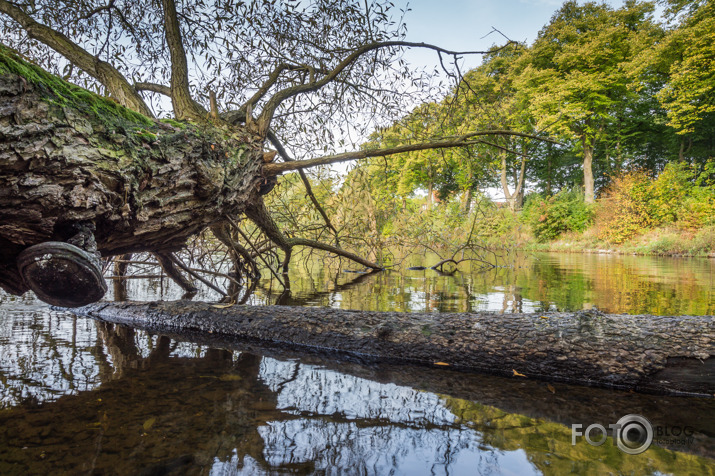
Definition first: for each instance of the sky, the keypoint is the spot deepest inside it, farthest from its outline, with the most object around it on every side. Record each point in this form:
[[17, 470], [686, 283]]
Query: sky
[[464, 25]]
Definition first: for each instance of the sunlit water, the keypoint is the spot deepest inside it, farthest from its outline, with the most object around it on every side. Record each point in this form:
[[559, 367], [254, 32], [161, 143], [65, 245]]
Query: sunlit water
[[533, 283], [82, 397]]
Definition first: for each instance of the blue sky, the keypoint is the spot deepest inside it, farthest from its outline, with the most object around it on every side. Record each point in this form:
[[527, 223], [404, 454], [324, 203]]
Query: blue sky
[[463, 24]]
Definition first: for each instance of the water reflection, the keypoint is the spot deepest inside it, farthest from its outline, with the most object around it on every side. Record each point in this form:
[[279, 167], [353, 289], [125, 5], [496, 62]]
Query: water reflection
[[534, 283], [97, 398], [44, 354]]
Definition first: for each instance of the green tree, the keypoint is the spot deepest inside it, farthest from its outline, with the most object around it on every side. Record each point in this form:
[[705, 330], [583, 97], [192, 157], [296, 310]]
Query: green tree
[[240, 77], [574, 76], [689, 51], [485, 98], [488, 96]]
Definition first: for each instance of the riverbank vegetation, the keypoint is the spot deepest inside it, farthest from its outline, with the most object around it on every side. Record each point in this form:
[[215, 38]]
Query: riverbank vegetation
[[599, 136], [625, 105]]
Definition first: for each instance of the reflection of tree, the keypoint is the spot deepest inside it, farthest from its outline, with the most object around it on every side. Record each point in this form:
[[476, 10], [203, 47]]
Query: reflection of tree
[[549, 448], [44, 355], [288, 299], [163, 411], [512, 299], [153, 410], [167, 406], [621, 284], [633, 284], [384, 291], [371, 428]]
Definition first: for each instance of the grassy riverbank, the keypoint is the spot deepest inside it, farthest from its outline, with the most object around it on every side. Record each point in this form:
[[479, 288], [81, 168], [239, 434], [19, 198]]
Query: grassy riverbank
[[665, 241], [671, 214]]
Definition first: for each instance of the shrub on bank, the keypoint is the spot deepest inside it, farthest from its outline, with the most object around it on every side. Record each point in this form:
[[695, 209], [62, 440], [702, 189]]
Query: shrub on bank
[[549, 217], [635, 202], [672, 241]]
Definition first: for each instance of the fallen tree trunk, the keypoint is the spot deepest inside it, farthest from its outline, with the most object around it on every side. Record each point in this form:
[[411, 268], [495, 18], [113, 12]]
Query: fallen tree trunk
[[70, 157], [669, 355]]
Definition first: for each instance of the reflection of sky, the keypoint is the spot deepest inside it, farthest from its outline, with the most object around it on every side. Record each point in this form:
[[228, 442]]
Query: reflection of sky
[[335, 423], [333, 393], [350, 425], [387, 429], [349, 448], [502, 301], [327, 422], [44, 354], [333, 447]]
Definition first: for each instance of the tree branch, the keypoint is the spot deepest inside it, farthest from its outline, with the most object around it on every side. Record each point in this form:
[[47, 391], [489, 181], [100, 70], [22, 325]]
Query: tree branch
[[236, 251], [93, 12], [193, 273], [259, 215], [153, 87], [266, 86], [308, 188], [168, 264], [335, 250], [460, 141], [184, 105], [105, 73], [266, 116]]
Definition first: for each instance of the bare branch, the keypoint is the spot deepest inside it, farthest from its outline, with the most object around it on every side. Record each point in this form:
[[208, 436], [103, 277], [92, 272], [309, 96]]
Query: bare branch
[[259, 215], [193, 273], [308, 188], [105, 73], [237, 252], [153, 87], [214, 105], [266, 86], [168, 264], [93, 12], [266, 116], [160, 89], [335, 250], [260, 255], [460, 141]]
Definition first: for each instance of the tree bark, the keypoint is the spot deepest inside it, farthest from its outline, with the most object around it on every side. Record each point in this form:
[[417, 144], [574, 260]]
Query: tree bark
[[668, 355], [513, 199], [68, 156], [588, 182]]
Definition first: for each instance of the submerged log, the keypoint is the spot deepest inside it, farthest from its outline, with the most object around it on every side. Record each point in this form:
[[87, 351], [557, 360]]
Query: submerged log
[[654, 354]]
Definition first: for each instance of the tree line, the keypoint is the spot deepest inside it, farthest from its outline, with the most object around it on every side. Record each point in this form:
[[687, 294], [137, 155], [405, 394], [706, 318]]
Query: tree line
[[610, 89]]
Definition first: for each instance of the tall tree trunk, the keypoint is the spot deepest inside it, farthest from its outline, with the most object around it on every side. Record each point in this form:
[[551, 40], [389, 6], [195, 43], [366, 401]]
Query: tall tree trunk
[[466, 199], [513, 199], [588, 182], [549, 165], [684, 150]]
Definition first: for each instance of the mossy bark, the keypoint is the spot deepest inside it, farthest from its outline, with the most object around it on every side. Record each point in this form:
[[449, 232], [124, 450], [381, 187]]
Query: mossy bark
[[69, 156]]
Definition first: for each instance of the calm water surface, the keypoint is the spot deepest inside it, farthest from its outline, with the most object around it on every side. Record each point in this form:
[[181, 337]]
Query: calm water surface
[[82, 397]]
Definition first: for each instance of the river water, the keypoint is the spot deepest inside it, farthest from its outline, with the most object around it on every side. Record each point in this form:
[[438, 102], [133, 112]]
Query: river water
[[83, 397]]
